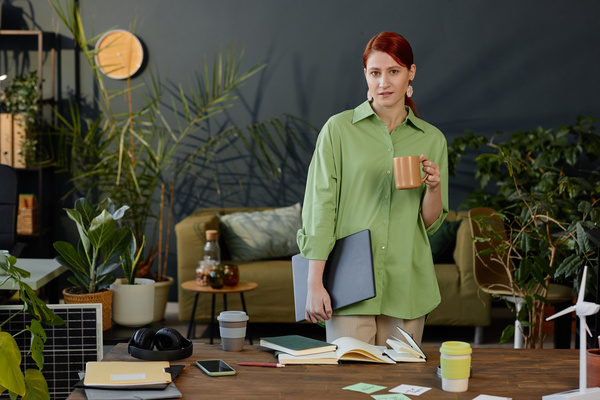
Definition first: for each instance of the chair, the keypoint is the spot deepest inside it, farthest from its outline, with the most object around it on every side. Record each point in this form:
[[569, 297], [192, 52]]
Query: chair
[[9, 209], [491, 275]]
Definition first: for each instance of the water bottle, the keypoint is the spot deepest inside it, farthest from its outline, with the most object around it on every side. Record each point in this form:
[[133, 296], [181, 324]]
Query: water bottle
[[212, 259], [212, 251]]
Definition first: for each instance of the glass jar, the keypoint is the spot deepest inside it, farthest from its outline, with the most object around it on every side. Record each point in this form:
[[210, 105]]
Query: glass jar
[[232, 274], [216, 278], [202, 272]]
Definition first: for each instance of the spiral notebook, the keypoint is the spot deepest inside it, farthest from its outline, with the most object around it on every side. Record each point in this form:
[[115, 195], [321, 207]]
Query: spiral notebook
[[348, 277]]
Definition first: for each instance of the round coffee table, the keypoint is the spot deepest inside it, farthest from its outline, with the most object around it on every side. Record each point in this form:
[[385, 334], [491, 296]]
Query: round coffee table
[[241, 287]]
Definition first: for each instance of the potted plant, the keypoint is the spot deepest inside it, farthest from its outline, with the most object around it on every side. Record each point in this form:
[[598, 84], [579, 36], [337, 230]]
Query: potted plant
[[548, 193], [21, 99], [139, 156], [31, 384], [133, 297], [101, 249]]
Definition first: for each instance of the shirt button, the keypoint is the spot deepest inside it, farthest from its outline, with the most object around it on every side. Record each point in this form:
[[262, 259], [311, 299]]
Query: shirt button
[[388, 172], [387, 196], [385, 221], [389, 149], [382, 247]]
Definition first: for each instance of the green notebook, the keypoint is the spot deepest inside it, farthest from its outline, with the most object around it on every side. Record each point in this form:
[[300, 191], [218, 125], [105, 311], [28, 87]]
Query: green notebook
[[297, 345]]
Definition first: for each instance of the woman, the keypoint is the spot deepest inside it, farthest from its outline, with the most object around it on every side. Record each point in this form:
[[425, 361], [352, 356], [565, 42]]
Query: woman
[[350, 187]]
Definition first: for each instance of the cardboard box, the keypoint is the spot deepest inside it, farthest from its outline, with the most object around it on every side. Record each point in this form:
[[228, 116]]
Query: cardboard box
[[28, 219]]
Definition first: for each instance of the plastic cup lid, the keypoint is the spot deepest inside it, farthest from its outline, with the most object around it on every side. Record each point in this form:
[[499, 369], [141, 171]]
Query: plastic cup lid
[[456, 348], [232, 316]]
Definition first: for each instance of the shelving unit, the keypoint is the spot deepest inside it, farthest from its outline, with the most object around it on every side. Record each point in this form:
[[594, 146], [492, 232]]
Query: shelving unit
[[37, 180]]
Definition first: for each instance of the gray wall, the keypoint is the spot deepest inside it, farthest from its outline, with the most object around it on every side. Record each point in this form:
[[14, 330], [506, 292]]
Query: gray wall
[[481, 65]]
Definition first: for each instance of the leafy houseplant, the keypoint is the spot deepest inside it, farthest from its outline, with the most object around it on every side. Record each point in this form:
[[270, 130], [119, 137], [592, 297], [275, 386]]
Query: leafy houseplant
[[32, 384], [21, 99], [101, 249], [138, 157], [548, 194]]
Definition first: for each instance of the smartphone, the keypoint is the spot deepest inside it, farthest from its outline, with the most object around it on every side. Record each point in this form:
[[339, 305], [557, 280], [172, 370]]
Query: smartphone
[[215, 367]]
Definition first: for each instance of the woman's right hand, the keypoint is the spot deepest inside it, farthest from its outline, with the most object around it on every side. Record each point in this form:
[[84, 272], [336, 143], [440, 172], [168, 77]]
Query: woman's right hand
[[318, 302]]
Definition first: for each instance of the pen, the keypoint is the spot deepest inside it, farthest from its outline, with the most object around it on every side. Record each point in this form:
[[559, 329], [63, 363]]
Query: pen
[[261, 364]]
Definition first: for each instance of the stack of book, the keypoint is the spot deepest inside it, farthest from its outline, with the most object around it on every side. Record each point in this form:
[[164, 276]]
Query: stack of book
[[295, 349], [130, 380]]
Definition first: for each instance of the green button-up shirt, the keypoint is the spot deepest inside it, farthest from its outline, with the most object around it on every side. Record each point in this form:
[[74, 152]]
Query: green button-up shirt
[[350, 187]]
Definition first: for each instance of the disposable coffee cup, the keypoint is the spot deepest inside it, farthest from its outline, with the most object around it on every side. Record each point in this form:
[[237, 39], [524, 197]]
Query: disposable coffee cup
[[407, 172], [455, 361], [232, 326]]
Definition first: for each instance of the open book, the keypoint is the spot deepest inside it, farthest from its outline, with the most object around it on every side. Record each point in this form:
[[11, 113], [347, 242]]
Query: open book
[[405, 351], [348, 349]]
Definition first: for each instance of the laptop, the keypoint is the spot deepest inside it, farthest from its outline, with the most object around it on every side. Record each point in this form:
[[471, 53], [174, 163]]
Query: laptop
[[348, 277]]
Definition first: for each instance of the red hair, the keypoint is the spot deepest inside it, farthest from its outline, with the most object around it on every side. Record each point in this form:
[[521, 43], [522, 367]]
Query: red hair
[[397, 47]]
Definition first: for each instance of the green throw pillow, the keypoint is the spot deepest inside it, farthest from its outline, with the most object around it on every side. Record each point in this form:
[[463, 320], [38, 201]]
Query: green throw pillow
[[262, 235], [443, 242]]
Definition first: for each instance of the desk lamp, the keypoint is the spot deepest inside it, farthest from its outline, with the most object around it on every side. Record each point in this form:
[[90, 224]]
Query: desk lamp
[[583, 309]]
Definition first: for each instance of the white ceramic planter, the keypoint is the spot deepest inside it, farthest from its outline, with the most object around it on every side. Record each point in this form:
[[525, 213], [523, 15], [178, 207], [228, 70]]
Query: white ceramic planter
[[133, 305], [161, 296]]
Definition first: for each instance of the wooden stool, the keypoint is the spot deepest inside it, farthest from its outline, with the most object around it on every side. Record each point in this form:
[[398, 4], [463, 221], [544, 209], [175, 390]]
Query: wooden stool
[[241, 287]]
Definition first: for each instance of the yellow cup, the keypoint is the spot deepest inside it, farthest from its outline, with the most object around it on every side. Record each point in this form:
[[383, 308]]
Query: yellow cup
[[455, 361]]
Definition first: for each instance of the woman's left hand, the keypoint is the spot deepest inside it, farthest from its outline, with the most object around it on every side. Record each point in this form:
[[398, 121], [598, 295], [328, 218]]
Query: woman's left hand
[[433, 174]]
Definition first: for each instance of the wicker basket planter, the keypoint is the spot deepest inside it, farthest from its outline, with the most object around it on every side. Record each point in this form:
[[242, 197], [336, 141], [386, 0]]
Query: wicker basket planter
[[103, 297]]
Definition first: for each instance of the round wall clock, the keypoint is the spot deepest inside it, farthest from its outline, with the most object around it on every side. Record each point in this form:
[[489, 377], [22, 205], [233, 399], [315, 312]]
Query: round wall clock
[[119, 54]]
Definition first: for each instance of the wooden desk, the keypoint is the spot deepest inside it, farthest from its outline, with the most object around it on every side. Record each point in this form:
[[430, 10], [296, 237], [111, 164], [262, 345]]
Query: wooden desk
[[44, 271], [522, 374]]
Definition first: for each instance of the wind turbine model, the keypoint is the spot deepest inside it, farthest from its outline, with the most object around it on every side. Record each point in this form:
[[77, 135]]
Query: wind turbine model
[[583, 309]]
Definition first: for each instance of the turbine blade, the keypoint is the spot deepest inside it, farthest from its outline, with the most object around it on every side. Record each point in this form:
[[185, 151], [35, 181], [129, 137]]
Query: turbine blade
[[561, 313], [582, 287], [586, 326]]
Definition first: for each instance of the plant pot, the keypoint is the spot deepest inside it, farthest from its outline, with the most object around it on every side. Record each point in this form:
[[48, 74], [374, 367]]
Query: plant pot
[[593, 368], [161, 296], [104, 297], [133, 305]]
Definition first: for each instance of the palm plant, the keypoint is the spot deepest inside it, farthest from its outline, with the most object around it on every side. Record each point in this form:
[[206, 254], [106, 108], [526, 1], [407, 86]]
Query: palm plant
[[134, 157]]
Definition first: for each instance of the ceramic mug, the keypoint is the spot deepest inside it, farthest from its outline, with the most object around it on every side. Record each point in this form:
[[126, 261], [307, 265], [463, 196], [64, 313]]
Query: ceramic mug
[[407, 172]]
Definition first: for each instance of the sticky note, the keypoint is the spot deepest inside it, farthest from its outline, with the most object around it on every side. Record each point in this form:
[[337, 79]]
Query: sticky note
[[410, 389], [393, 396], [364, 388]]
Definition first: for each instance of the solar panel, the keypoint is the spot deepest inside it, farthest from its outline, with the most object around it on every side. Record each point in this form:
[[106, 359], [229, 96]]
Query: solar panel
[[68, 347]]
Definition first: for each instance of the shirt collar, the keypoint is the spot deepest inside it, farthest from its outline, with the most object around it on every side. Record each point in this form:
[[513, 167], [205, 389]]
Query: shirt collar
[[365, 110]]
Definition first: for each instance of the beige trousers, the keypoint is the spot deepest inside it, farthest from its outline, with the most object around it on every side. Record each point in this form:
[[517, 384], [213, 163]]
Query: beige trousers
[[373, 329]]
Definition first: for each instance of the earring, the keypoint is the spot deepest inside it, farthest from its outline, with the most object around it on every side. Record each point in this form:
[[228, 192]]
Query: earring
[[409, 91], [369, 97]]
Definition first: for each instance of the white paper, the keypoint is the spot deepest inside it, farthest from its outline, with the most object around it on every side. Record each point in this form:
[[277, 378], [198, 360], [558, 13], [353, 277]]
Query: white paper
[[488, 397], [126, 377], [410, 389]]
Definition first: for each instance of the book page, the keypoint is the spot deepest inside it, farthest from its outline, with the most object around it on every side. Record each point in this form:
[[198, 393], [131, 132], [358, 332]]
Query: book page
[[321, 358], [351, 349]]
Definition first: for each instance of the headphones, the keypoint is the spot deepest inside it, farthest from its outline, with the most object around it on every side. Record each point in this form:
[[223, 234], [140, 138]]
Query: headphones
[[171, 345]]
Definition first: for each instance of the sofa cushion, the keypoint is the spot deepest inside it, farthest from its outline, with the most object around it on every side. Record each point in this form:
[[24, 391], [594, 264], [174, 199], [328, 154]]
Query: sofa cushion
[[262, 235], [443, 241]]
